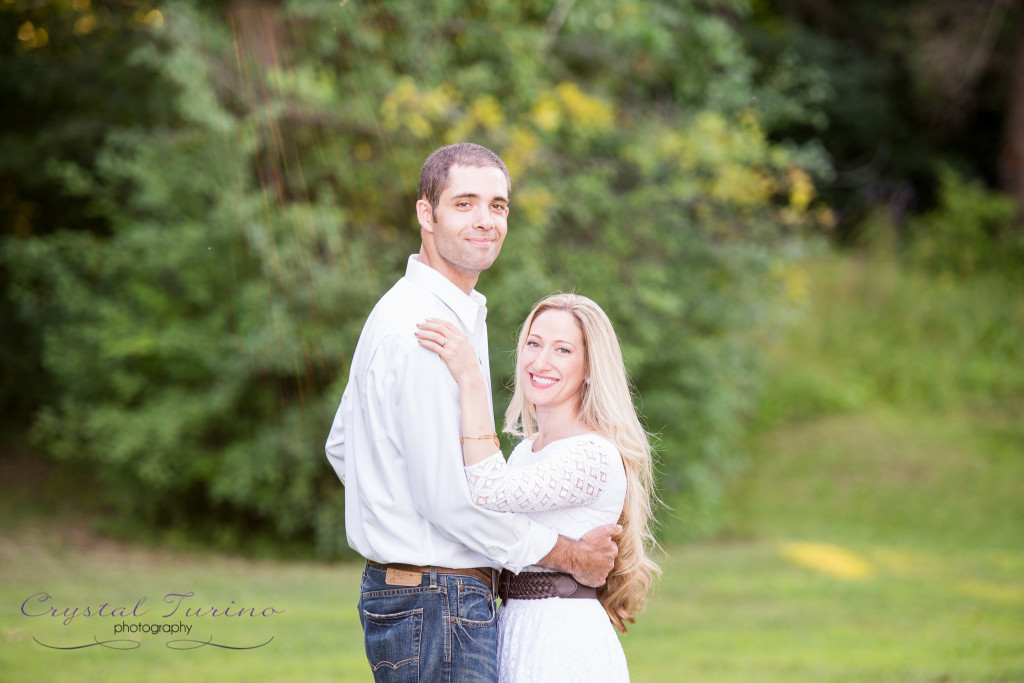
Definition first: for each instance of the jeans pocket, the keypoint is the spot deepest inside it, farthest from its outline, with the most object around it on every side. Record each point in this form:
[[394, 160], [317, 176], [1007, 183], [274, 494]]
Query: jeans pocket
[[393, 644], [475, 606]]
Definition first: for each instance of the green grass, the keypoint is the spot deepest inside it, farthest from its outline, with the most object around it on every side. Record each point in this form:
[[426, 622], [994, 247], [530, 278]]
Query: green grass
[[875, 334], [316, 636], [876, 536]]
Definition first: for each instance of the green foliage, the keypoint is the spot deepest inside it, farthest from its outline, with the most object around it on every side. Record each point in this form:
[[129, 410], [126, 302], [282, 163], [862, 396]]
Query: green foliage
[[198, 347], [67, 78], [893, 90], [191, 347], [876, 332], [971, 231]]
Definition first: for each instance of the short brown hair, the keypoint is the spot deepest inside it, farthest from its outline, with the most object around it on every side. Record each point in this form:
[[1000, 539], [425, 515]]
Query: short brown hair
[[434, 175]]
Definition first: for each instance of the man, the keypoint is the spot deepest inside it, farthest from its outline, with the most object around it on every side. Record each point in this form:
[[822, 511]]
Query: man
[[427, 597]]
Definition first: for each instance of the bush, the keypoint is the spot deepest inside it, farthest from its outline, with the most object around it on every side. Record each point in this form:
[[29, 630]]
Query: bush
[[198, 346], [971, 231], [878, 332]]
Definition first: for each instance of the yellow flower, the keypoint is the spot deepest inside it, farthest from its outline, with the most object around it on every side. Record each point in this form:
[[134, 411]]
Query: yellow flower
[[584, 110], [534, 203], [487, 112], [801, 188], [546, 114], [521, 155], [417, 110]]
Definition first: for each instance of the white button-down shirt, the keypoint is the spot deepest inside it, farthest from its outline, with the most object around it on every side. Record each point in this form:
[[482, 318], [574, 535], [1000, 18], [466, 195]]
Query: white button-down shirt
[[395, 441]]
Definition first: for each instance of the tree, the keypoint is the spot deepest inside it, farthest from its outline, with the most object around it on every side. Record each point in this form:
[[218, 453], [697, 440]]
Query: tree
[[198, 346], [1012, 157], [916, 86], [67, 80]]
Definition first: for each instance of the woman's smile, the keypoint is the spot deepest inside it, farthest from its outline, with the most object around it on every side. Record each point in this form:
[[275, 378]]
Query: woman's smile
[[541, 382]]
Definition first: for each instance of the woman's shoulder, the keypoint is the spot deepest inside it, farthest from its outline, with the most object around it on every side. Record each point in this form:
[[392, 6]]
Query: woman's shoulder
[[597, 451], [590, 442]]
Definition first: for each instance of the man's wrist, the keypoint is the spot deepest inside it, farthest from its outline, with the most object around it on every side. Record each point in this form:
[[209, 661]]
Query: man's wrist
[[562, 556]]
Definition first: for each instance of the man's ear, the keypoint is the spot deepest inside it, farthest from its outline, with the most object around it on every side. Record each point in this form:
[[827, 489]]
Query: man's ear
[[425, 215]]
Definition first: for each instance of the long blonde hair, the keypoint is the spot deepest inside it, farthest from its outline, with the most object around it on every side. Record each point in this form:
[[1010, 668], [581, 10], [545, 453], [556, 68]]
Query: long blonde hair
[[605, 405]]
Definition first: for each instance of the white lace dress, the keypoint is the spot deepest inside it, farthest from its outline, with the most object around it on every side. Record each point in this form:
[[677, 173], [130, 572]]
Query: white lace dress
[[571, 486]]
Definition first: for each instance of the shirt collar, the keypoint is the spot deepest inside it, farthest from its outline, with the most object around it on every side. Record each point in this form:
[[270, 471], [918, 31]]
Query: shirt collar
[[466, 307]]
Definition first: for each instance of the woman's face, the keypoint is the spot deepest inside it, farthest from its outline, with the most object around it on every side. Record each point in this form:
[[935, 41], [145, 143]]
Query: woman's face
[[552, 365]]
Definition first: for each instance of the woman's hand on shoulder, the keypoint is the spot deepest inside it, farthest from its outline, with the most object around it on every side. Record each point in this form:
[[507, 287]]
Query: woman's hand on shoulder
[[452, 345]]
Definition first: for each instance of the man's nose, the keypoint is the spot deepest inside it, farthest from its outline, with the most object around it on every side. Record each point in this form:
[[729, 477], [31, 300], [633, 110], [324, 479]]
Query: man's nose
[[483, 218]]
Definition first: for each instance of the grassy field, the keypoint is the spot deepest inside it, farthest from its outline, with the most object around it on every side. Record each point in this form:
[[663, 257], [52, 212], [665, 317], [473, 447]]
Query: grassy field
[[876, 536]]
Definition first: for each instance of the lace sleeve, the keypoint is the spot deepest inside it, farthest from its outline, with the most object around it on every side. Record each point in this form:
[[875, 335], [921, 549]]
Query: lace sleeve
[[573, 477]]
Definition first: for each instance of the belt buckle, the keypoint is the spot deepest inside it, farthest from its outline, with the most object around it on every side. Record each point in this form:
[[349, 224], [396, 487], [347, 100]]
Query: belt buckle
[[564, 585]]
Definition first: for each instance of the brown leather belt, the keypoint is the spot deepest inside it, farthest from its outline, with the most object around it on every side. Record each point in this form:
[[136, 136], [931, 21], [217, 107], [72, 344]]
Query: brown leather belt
[[485, 574], [538, 585]]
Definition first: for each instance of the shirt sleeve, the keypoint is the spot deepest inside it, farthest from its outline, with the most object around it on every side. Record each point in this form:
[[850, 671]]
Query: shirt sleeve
[[575, 476], [426, 418], [335, 446]]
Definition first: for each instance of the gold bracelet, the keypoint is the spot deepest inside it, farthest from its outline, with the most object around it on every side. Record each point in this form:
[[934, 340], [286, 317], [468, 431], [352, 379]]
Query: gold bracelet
[[492, 435]]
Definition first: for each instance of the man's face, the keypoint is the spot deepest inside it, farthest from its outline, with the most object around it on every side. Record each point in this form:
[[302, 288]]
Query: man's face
[[471, 219]]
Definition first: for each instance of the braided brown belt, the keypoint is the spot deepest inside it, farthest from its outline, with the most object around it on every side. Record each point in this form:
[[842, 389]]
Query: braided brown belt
[[538, 585]]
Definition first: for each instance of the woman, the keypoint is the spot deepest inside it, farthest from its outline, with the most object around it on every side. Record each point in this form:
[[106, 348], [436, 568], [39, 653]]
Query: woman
[[584, 461]]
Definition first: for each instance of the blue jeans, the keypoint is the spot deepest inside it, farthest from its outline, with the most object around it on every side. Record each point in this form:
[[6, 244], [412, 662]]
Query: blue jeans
[[444, 630]]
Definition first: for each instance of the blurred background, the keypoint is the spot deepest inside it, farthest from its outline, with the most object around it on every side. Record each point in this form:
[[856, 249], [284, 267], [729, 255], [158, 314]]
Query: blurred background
[[804, 218]]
